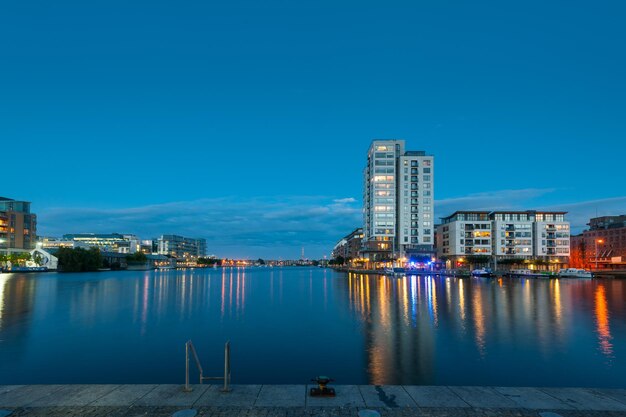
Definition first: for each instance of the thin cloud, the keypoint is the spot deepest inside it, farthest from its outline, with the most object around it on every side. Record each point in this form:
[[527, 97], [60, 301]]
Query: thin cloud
[[578, 215], [263, 226]]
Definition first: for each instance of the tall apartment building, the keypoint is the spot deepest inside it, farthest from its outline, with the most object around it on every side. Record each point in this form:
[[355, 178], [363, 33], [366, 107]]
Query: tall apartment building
[[181, 247], [398, 195], [18, 226], [524, 235]]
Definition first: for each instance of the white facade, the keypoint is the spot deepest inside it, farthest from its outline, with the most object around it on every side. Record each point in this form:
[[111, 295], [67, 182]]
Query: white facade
[[379, 194], [398, 197], [523, 235], [415, 201]]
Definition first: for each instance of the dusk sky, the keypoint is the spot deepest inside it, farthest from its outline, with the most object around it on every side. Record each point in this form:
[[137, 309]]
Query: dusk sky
[[248, 122]]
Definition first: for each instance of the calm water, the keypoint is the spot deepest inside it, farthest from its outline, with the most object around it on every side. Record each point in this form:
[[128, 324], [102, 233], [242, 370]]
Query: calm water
[[288, 325]]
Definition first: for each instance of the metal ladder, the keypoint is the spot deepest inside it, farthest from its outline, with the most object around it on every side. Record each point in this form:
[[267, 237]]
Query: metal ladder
[[189, 347]]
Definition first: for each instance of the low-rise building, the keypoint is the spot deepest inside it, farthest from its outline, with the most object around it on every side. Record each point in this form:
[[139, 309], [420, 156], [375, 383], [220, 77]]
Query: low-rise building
[[182, 248], [349, 246], [107, 242], [534, 236], [603, 246]]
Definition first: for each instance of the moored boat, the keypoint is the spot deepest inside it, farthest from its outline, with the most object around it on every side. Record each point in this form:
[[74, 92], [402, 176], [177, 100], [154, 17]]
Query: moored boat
[[482, 272], [574, 273], [519, 272], [395, 272]]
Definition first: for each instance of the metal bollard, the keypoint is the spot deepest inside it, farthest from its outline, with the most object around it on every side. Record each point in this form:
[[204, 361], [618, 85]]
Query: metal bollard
[[187, 386], [226, 367]]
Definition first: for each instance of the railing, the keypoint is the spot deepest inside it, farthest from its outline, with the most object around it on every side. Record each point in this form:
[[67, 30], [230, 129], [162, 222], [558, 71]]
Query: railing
[[189, 347]]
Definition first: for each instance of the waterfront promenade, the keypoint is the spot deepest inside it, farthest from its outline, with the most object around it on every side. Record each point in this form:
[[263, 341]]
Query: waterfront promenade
[[292, 400]]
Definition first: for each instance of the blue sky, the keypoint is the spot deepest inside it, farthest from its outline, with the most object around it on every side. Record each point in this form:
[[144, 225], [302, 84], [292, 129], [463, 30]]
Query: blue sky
[[248, 122]]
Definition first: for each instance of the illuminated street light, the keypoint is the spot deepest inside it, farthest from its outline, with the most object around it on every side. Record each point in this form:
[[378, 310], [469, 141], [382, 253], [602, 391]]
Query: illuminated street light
[[598, 241]]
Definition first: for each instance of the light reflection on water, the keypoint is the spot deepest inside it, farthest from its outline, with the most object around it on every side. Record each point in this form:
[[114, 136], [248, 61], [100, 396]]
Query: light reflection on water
[[289, 324]]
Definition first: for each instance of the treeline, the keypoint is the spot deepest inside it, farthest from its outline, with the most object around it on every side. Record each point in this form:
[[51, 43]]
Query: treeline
[[79, 259], [209, 261]]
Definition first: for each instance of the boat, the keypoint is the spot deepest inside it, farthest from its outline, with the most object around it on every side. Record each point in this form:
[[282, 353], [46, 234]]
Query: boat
[[27, 269], [482, 272], [395, 272], [165, 267], [519, 272], [574, 273]]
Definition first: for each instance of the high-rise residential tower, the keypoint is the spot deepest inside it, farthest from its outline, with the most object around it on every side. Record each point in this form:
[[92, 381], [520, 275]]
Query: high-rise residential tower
[[398, 197]]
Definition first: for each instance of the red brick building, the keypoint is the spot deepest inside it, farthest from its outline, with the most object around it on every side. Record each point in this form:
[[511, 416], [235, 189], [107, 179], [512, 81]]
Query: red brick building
[[604, 244]]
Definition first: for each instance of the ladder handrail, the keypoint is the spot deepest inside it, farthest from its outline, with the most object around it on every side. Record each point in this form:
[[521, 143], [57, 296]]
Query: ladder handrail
[[197, 359], [189, 346]]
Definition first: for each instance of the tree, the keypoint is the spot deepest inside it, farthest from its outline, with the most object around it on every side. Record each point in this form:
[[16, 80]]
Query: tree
[[38, 259], [261, 261], [137, 258], [477, 260], [79, 259], [209, 261]]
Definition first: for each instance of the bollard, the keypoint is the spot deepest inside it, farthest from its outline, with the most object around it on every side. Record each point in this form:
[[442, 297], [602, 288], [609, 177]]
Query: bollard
[[226, 367], [187, 387]]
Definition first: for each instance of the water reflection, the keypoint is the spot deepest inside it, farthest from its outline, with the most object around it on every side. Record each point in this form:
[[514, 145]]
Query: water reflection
[[602, 322], [358, 328], [404, 333]]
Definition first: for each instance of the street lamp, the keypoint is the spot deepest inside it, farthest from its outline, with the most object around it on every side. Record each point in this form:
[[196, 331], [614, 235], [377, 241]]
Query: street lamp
[[597, 241]]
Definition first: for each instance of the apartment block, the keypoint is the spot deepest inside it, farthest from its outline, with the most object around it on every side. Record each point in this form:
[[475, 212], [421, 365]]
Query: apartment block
[[18, 226], [523, 235], [398, 201], [349, 246]]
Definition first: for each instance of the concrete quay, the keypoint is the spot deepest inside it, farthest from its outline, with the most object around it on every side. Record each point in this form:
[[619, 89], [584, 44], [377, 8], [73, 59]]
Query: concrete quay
[[292, 400]]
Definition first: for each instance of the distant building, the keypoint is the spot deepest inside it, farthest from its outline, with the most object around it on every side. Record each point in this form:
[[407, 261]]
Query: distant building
[[522, 235], [349, 246], [106, 242], [18, 226], [182, 248], [398, 202], [53, 243], [604, 243], [149, 246]]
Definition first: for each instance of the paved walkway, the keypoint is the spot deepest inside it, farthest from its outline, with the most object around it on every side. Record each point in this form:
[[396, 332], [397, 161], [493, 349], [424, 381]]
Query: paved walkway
[[292, 400]]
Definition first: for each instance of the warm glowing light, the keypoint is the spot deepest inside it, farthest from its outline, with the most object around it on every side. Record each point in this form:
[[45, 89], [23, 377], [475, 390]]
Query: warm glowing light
[[600, 241], [602, 322]]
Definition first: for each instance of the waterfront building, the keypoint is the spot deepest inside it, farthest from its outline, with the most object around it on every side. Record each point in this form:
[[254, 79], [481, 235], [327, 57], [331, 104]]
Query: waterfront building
[[18, 226], [53, 243], [106, 242], [349, 246], [603, 244], [398, 202], [533, 236], [182, 248]]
